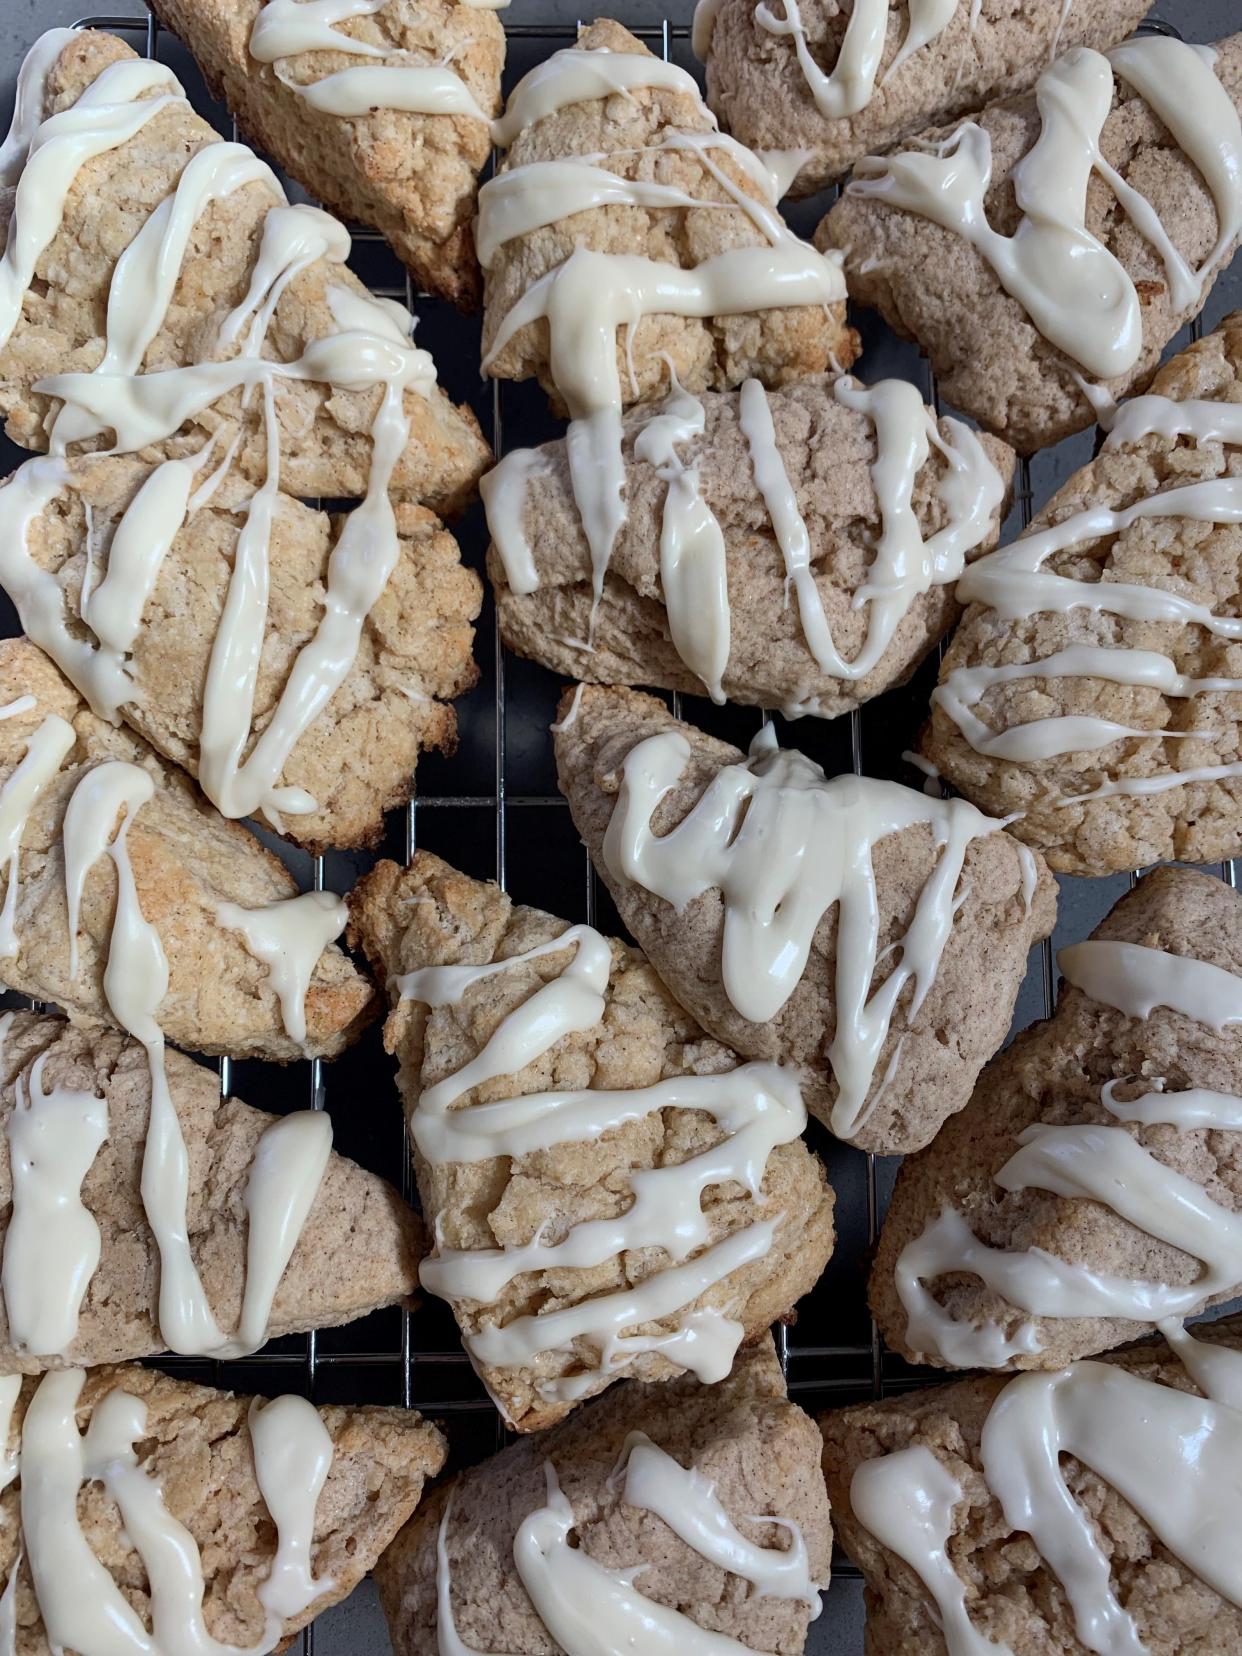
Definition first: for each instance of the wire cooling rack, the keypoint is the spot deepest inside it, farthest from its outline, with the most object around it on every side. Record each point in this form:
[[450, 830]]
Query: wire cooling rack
[[493, 809]]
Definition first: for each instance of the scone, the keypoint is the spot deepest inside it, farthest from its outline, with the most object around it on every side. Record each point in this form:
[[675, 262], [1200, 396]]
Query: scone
[[834, 82], [1094, 687], [699, 1518], [871, 934], [1092, 1185], [247, 974], [141, 1512], [156, 632], [160, 289], [611, 1192], [284, 1235], [854, 495], [1091, 1509], [1130, 166], [381, 110]]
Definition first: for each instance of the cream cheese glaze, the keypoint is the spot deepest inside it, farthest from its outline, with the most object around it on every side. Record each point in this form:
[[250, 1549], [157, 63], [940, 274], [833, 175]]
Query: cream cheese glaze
[[289, 936], [849, 86], [595, 1611], [1172, 1455], [782, 844], [756, 1106], [1074, 290]]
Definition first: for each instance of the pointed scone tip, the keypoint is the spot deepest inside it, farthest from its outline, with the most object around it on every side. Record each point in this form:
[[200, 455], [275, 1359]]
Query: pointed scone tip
[[409, 172], [187, 862], [1051, 1218], [1093, 684], [1018, 1513], [564, 1109], [82, 1268], [620, 1486], [963, 899], [277, 1510], [1011, 338]]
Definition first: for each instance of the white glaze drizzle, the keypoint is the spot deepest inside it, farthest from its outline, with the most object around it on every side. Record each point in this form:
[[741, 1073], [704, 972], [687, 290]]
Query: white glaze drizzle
[[576, 75], [1074, 290], [289, 936], [29, 99], [849, 86], [1135, 980], [782, 844], [293, 1454], [287, 28], [19, 793]]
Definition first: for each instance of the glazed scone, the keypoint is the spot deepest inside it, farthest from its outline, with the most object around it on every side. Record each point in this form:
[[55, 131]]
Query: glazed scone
[[411, 175], [1081, 1140], [1057, 704], [836, 445], [993, 358], [757, 86], [357, 757], [565, 1110], [187, 861], [357, 1250], [218, 1494], [1128, 1526], [621, 1486], [733, 874], [301, 288]]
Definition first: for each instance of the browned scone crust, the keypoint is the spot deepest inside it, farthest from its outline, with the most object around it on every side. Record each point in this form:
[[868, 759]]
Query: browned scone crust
[[325, 441], [197, 1446], [828, 451], [357, 759], [756, 86], [1010, 1594], [1054, 1073], [775, 346], [187, 859], [965, 1015], [411, 177], [1197, 821], [432, 915], [357, 1251], [933, 287], [758, 1449]]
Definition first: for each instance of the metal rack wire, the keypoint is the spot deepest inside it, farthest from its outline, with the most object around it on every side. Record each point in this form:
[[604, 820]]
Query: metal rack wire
[[463, 809]]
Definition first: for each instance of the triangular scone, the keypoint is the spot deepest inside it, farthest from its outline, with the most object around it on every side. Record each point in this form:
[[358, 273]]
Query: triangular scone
[[325, 429], [1078, 704], [412, 176], [1085, 1510], [835, 446], [1112, 296], [343, 1480], [357, 757], [957, 905], [739, 1549], [758, 87], [1092, 1140], [187, 861], [357, 1250], [656, 1191]]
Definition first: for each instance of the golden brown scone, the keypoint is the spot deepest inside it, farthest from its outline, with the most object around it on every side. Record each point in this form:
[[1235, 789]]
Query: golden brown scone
[[828, 451], [411, 177], [357, 759], [431, 915], [756, 85], [1012, 1597], [965, 1014], [933, 287], [187, 860], [1054, 1074], [325, 432], [1197, 821], [196, 1444], [357, 1251], [759, 1451], [711, 352]]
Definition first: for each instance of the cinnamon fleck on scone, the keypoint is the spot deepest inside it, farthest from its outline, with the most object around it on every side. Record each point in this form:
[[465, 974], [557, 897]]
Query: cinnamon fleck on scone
[[611, 1191], [711, 1496]]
